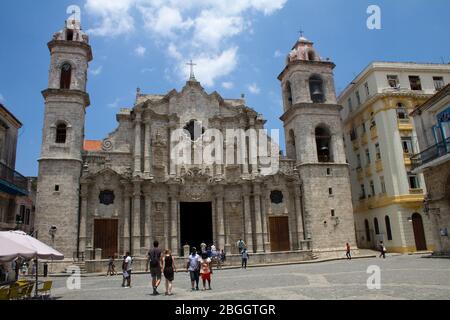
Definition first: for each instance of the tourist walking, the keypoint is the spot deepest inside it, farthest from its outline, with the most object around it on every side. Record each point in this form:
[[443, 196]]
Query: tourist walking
[[127, 268], [111, 267], [206, 271], [348, 252], [223, 257], [241, 245], [169, 271], [154, 259], [245, 257], [382, 250], [193, 267]]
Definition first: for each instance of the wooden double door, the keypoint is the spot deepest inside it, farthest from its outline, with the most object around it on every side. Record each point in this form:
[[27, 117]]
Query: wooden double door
[[279, 234], [106, 235]]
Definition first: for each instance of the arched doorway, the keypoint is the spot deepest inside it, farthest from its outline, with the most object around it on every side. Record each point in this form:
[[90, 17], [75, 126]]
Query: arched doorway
[[419, 232]]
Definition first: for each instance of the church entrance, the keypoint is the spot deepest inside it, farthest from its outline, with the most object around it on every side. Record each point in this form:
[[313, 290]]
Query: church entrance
[[196, 223], [279, 234], [106, 236]]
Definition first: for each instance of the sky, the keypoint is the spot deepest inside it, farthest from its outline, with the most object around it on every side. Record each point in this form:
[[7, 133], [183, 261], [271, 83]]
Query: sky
[[239, 47]]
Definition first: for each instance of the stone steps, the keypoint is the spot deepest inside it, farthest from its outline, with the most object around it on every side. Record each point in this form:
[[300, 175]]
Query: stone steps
[[81, 266]]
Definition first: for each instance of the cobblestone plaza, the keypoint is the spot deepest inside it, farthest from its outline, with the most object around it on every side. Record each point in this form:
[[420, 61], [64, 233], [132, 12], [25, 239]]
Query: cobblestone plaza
[[403, 277]]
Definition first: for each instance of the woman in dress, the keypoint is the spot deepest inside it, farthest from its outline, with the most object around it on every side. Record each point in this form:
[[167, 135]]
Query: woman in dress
[[169, 271]]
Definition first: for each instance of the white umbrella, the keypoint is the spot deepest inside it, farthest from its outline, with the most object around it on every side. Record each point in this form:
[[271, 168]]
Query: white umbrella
[[10, 250], [18, 241], [41, 250]]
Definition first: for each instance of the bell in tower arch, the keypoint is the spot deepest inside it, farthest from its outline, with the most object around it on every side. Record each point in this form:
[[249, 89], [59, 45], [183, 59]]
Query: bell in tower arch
[[316, 89]]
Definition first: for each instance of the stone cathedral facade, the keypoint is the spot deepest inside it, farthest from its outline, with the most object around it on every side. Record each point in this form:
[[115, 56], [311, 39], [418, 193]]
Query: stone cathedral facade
[[124, 192]]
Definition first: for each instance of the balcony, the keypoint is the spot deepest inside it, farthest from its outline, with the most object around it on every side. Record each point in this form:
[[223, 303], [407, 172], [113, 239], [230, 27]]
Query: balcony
[[368, 171], [407, 158], [433, 153], [355, 145], [405, 125], [373, 133], [379, 165], [416, 191], [12, 182], [360, 173], [364, 139]]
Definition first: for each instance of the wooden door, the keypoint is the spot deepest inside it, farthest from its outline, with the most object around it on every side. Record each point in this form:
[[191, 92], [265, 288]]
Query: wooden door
[[419, 233], [279, 234], [106, 236]]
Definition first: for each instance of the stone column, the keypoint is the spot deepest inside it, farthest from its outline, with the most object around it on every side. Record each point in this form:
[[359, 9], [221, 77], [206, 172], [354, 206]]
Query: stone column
[[291, 216], [137, 144], [247, 219], [148, 225], [264, 207], [220, 218], [299, 215], [253, 148], [83, 216], [244, 153], [174, 220], [148, 150], [172, 166], [258, 220], [166, 225], [126, 216], [136, 224]]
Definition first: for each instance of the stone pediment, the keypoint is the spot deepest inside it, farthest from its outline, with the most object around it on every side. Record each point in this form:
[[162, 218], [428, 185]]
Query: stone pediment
[[192, 97], [108, 173]]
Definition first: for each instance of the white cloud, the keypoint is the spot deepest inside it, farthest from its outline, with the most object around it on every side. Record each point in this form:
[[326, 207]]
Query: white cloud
[[253, 88], [115, 104], [97, 71], [278, 54], [115, 16], [228, 85], [212, 27], [163, 21], [185, 28], [140, 51], [173, 52], [211, 67]]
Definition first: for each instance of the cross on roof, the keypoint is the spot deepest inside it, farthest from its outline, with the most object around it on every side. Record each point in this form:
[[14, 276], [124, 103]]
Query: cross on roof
[[301, 33], [191, 64]]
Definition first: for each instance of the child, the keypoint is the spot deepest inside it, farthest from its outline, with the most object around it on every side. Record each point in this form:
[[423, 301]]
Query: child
[[205, 271]]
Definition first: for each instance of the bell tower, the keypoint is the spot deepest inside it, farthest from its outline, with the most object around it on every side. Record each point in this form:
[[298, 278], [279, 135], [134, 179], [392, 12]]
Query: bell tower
[[314, 138], [60, 163]]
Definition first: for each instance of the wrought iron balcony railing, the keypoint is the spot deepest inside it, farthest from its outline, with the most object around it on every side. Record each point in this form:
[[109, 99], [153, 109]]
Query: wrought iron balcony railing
[[430, 154], [13, 177]]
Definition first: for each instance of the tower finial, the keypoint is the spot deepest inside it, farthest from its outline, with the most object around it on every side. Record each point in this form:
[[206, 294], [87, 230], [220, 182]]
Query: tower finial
[[302, 33], [192, 76]]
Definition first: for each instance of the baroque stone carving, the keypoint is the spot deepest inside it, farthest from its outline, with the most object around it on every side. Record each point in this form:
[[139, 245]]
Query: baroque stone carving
[[196, 191], [107, 145]]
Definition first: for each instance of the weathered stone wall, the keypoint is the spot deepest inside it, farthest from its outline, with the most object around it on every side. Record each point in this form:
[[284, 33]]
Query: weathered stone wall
[[328, 232], [438, 186]]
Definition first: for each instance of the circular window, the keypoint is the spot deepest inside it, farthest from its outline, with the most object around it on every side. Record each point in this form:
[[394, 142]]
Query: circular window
[[107, 197], [276, 196]]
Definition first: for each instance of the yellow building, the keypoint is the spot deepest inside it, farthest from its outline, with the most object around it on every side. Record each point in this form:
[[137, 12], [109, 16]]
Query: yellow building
[[380, 138]]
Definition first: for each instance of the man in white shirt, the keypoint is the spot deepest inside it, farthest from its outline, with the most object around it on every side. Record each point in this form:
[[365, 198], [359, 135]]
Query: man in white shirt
[[193, 266], [127, 269]]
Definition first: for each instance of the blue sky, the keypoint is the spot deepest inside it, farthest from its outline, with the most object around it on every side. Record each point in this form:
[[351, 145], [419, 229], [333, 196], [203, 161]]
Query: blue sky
[[239, 46]]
